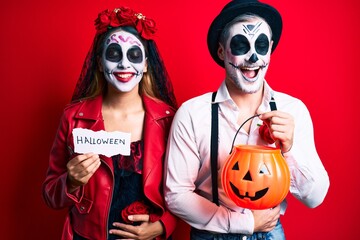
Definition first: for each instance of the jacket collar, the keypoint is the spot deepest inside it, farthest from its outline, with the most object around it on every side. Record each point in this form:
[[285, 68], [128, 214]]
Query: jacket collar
[[90, 109], [155, 109]]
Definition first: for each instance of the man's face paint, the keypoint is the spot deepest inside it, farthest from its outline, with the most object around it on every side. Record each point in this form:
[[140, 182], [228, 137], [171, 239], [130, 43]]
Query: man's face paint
[[247, 54], [123, 60]]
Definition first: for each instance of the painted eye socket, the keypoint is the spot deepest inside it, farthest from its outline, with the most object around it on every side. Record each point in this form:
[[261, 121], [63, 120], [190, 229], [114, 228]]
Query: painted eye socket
[[239, 45], [264, 170], [114, 53], [135, 55], [262, 44]]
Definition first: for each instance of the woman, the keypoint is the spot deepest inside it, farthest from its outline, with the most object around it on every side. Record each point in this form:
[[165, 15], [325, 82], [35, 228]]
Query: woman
[[123, 87]]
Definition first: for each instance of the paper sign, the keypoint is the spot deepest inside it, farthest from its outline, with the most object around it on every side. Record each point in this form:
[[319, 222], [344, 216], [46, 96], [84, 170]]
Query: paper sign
[[101, 142]]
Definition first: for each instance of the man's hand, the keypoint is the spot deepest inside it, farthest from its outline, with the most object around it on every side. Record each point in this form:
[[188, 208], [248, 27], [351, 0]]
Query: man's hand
[[266, 220], [281, 127]]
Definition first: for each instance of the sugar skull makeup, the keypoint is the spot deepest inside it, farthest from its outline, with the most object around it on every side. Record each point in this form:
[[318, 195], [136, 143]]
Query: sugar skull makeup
[[123, 60], [247, 54]]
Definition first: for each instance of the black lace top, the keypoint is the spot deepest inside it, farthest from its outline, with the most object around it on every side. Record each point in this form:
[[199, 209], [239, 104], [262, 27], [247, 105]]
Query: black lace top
[[128, 182], [127, 186]]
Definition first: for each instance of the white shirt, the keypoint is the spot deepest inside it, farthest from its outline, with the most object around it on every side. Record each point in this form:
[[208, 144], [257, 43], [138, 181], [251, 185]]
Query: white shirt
[[187, 187]]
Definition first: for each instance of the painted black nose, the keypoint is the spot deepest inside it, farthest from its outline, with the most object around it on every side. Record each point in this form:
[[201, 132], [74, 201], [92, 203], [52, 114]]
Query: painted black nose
[[253, 58]]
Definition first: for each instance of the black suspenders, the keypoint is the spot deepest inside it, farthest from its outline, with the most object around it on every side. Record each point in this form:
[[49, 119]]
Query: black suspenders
[[214, 144], [214, 147], [272, 104]]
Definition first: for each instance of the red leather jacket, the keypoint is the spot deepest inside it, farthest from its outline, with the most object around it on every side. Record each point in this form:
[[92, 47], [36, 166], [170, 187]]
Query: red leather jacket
[[89, 206]]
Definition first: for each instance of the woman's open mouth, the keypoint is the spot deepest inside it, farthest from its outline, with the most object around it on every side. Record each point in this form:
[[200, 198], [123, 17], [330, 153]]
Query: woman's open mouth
[[123, 76]]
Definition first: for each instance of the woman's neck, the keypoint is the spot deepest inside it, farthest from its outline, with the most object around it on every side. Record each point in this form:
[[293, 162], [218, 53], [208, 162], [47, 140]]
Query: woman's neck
[[126, 102], [124, 112]]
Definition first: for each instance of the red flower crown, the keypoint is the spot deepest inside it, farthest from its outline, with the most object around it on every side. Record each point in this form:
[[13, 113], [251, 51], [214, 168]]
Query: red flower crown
[[125, 16]]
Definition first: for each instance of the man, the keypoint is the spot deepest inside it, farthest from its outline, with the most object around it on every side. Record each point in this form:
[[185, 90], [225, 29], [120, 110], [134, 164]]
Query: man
[[240, 39]]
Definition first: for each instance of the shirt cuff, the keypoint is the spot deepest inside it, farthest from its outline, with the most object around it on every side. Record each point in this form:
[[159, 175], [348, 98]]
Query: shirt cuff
[[241, 222]]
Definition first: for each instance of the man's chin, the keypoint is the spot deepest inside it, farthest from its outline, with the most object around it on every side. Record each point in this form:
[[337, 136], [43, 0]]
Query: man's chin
[[250, 87]]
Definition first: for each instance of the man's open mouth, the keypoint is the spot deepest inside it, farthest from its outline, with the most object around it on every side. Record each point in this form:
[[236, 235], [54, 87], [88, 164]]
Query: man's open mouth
[[249, 73]]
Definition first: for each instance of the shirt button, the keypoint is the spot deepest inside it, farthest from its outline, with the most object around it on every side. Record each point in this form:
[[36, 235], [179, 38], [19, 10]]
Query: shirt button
[[81, 114], [167, 112], [82, 208]]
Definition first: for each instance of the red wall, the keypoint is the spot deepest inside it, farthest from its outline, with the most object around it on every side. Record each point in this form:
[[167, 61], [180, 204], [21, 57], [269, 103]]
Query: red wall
[[42, 47]]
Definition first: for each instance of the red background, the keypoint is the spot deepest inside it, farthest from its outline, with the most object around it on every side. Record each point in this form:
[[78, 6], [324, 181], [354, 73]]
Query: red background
[[42, 48]]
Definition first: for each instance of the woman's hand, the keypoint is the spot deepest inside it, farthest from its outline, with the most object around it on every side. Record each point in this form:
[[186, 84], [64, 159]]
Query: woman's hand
[[281, 127], [80, 169], [145, 231]]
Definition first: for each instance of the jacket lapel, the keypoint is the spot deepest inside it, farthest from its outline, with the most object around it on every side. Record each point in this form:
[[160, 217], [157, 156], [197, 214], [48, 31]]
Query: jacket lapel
[[89, 116], [154, 136]]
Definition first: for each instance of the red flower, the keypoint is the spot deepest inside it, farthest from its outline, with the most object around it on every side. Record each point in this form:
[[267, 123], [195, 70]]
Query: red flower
[[265, 133], [125, 16], [137, 207], [103, 21], [145, 27]]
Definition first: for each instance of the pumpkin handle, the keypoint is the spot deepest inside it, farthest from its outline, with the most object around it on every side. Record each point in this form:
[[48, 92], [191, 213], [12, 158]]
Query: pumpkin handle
[[232, 145]]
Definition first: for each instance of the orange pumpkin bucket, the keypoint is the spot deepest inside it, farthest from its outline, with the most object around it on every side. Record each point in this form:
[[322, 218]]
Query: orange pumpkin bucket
[[255, 177]]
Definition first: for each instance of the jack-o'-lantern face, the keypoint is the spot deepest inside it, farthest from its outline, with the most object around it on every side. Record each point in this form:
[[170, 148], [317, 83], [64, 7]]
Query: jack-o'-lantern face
[[256, 177]]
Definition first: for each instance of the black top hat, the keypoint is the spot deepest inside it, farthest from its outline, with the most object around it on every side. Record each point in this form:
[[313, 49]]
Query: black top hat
[[236, 8]]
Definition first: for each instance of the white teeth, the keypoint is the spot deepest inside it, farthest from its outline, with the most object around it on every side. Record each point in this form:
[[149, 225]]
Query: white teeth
[[249, 68], [126, 75]]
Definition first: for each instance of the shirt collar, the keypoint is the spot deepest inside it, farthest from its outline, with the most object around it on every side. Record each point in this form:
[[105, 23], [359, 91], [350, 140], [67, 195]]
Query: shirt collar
[[268, 94], [222, 93], [224, 96]]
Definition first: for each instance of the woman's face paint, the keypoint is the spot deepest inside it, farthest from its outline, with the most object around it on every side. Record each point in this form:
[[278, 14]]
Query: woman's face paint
[[247, 54], [123, 60]]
